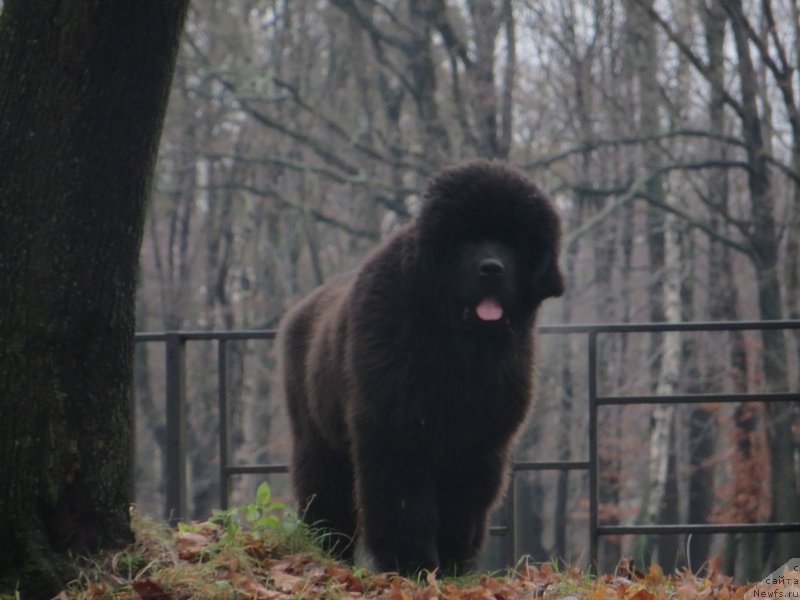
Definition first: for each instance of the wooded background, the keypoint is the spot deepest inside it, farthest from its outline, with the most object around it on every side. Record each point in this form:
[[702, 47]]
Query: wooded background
[[300, 132]]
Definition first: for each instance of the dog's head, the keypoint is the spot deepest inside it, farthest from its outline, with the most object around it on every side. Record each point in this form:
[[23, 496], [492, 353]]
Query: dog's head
[[488, 246]]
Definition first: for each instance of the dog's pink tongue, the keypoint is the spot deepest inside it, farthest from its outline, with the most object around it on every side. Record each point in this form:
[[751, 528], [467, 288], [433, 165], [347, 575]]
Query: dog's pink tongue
[[489, 310]]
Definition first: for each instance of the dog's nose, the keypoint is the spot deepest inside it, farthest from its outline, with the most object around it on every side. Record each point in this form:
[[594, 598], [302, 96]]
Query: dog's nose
[[491, 267]]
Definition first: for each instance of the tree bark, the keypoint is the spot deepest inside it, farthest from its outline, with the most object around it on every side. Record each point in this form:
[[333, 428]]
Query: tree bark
[[83, 88], [722, 304], [422, 71], [764, 243], [665, 347], [669, 375]]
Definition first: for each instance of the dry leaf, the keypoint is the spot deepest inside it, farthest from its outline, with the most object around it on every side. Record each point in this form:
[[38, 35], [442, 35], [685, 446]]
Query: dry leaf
[[655, 574], [150, 589], [284, 581], [256, 591], [641, 594], [598, 593], [190, 544]]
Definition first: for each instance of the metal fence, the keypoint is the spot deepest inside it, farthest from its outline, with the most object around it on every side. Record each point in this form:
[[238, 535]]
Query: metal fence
[[175, 447]]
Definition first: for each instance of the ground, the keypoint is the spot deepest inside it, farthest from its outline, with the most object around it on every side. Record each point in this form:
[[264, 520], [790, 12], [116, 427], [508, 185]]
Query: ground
[[262, 552]]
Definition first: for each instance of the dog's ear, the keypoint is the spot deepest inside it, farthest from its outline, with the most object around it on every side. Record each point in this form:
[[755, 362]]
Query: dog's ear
[[553, 281], [548, 280]]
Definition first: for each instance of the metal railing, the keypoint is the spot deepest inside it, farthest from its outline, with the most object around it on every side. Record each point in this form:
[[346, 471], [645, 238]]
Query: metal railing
[[175, 447]]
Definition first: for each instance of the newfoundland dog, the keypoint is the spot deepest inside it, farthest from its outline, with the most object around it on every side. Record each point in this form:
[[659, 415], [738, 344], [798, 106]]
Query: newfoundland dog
[[407, 381]]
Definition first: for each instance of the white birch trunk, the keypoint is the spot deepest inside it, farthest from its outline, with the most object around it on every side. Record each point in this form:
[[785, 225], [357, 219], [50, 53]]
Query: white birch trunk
[[660, 434]]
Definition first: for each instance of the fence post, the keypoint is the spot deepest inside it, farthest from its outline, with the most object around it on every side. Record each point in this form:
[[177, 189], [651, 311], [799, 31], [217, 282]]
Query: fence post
[[593, 466], [222, 370], [511, 547], [175, 506]]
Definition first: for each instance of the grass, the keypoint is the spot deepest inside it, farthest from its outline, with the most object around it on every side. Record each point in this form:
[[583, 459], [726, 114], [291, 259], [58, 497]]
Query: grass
[[263, 551], [225, 557]]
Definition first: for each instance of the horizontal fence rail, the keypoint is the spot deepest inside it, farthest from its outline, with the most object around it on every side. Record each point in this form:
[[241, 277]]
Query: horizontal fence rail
[[175, 448]]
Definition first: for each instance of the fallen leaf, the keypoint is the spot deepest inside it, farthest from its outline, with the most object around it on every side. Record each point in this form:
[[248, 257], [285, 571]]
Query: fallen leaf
[[287, 582], [686, 590], [655, 574], [345, 577], [641, 594], [397, 594], [598, 593], [150, 590], [190, 544], [256, 591]]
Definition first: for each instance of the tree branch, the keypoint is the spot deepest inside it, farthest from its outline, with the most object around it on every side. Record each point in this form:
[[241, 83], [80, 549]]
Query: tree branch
[[301, 167], [637, 189], [273, 192], [351, 10], [783, 72], [548, 161], [701, 67]]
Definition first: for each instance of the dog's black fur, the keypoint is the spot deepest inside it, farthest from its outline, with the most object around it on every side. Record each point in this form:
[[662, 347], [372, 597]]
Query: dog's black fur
[[407, 381]]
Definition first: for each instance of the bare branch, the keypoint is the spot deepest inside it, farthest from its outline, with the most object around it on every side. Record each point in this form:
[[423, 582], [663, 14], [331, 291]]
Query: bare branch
[[273, 192], [637, 189], [548, 161], [451, 39], [701, 67], [350, 9], [302, 167], [509, 78], [783, 73]]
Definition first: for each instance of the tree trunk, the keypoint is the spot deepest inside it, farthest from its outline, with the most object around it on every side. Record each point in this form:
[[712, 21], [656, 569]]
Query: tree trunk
[[722, 304], [669, 376], [665, 347], [422, 71], [765, 259], [792, 274], [83, 88], [567, 394]]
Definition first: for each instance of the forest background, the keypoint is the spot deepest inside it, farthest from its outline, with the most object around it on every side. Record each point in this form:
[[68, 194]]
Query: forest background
[[300, 132]]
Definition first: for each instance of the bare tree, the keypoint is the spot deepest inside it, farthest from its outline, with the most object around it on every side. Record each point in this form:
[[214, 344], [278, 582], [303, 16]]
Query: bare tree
[[302, 131]]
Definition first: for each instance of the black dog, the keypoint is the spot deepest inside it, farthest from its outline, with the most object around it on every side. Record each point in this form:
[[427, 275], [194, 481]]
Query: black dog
[[407, 381]]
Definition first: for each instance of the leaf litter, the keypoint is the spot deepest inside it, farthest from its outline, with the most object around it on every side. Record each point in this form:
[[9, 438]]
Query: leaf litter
[[204, 561]]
